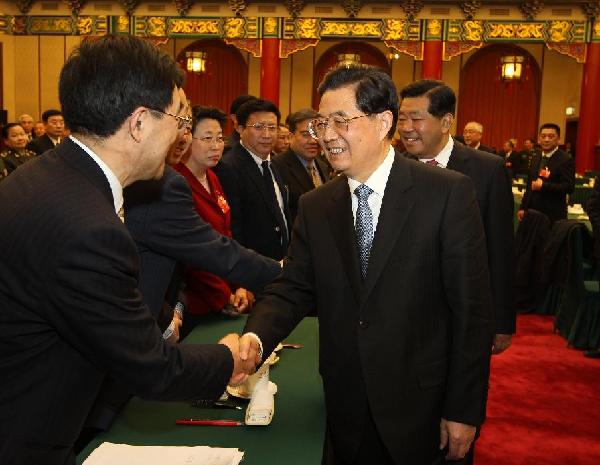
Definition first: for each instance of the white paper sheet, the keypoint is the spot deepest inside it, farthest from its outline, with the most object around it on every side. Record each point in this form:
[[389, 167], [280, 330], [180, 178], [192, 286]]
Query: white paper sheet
[[123, 454]]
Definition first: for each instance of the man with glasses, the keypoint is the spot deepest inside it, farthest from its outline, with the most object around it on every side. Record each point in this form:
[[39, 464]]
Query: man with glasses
[[392, 254], [254, 189], [300, 166], [71, 308]]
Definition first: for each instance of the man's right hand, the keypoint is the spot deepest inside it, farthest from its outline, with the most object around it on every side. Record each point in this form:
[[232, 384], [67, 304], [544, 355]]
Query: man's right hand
[[241, 369], [520, 215]]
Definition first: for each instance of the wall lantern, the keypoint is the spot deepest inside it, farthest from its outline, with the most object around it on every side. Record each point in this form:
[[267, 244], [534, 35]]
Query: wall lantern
[[512, 67], [196, 62], [348, 59]]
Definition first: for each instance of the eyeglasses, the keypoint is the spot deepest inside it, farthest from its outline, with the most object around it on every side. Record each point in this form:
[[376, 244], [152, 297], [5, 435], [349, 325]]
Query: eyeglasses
[[318, 127], [260, 127], [211, 140], [182, 121]]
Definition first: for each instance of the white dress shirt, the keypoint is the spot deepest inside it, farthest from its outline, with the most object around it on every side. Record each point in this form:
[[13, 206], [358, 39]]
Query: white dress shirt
[[443, 157]]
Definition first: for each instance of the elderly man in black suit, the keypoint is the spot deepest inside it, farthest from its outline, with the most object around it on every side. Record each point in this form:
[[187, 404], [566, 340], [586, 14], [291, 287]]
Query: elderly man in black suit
[[426, 115], [551, 177], [472, 134], [392, 254], [256, 193], [71, 309], [54, 126], [301, 168]]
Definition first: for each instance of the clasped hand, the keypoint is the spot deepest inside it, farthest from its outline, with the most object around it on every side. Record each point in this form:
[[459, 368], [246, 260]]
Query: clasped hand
[[245, 352]]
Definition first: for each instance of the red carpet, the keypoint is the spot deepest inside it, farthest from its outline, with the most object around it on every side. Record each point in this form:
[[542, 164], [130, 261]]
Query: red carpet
[[544, 402]]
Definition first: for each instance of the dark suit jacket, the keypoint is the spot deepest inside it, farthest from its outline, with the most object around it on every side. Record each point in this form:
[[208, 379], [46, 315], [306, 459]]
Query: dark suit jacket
[[40, 144], [296, 177], [552, 198], [163, 222], [72, 313], [412, 343], [593, 211], [485, 148], [253, 220], [496, 206]]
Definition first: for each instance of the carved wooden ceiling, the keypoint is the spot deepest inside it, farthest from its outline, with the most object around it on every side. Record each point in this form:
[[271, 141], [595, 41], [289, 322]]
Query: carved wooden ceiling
[[352, 8]]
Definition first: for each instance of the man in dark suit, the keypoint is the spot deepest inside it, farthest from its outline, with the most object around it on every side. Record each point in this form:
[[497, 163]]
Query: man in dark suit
[[392, 254], [551, 177], [71, 309], [511, 157], [300, 167], [255, 191], [54, 125], [426, 115], [472, 134]]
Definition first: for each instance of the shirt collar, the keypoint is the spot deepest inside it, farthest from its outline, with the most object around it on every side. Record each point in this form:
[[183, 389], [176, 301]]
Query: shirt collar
[[549, 154], [256, 158], [378, 179], [443, 157], [115, 185]]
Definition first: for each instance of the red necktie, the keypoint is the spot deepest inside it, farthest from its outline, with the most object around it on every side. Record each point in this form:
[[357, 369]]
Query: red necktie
[[432, 162]]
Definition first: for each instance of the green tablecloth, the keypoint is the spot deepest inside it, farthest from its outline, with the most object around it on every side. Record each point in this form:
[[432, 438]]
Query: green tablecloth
[[571, 216], [294, 437]]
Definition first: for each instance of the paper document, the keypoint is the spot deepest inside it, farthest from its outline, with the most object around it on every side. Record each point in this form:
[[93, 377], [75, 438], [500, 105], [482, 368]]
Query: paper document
[[123, 454]]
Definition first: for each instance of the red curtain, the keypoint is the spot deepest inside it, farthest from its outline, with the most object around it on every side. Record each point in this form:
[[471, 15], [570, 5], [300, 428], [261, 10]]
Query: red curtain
[[369, 55], [225, 78], [506, 110]]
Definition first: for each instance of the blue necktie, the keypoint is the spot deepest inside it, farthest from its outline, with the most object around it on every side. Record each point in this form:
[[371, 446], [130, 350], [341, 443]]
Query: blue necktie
[[364, 227]]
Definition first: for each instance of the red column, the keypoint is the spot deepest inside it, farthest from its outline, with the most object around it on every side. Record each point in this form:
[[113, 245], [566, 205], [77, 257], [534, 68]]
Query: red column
[[269, 70], [432, 59], [588, 129]]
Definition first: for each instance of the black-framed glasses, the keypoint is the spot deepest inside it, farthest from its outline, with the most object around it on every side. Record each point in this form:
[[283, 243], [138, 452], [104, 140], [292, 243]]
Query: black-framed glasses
[[182, 121], [260, 127], [211, 140], [318, 127]]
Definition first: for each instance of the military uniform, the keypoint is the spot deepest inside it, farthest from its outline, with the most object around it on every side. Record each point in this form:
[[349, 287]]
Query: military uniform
[[14, 158]]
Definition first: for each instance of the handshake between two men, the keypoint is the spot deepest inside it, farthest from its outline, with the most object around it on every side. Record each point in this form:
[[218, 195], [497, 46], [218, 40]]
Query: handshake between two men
[[246, 353]]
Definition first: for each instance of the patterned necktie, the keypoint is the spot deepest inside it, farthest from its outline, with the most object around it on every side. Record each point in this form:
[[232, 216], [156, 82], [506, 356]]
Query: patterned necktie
[[121, 214], [316, 179], [364, 227]]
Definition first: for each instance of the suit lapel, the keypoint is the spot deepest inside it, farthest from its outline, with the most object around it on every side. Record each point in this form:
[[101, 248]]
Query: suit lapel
[[392, 218], [299, 172], [255, 175], [458, 159], [341, 222]]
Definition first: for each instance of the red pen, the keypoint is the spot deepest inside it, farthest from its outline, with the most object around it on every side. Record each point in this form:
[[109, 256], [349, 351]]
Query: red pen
[[209, 422]]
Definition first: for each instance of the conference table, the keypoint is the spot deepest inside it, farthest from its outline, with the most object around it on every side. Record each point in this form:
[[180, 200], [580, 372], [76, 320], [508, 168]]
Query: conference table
[[295, 435]]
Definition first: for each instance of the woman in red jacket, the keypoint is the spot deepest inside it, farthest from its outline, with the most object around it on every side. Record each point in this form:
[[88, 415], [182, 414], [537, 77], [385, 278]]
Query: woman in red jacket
[[205, 292]]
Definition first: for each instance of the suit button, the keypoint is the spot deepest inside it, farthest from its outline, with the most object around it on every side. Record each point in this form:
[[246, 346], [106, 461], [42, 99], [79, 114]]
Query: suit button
[[363, 324], [277, 228]]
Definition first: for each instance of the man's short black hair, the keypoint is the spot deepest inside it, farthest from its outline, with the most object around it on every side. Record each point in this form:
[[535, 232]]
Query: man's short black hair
[[554, 126], [255, 106], [200, 113], [105, 79], [7, 127], [299, 116], [442, 99], [375, 91], [49, 113], [238, 102]]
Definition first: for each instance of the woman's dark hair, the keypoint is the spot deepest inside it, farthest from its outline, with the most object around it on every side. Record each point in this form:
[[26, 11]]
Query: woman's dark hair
[[6, 128], [200, 113]]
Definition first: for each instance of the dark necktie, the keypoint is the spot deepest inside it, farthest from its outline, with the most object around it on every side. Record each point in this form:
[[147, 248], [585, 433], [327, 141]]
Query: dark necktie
[[364, 227], [274, 203]]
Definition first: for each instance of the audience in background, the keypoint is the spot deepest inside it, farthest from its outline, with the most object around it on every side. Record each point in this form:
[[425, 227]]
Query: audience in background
[[26, 122], [282, 142], [54, 127], [15, 143], [472, 134]]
